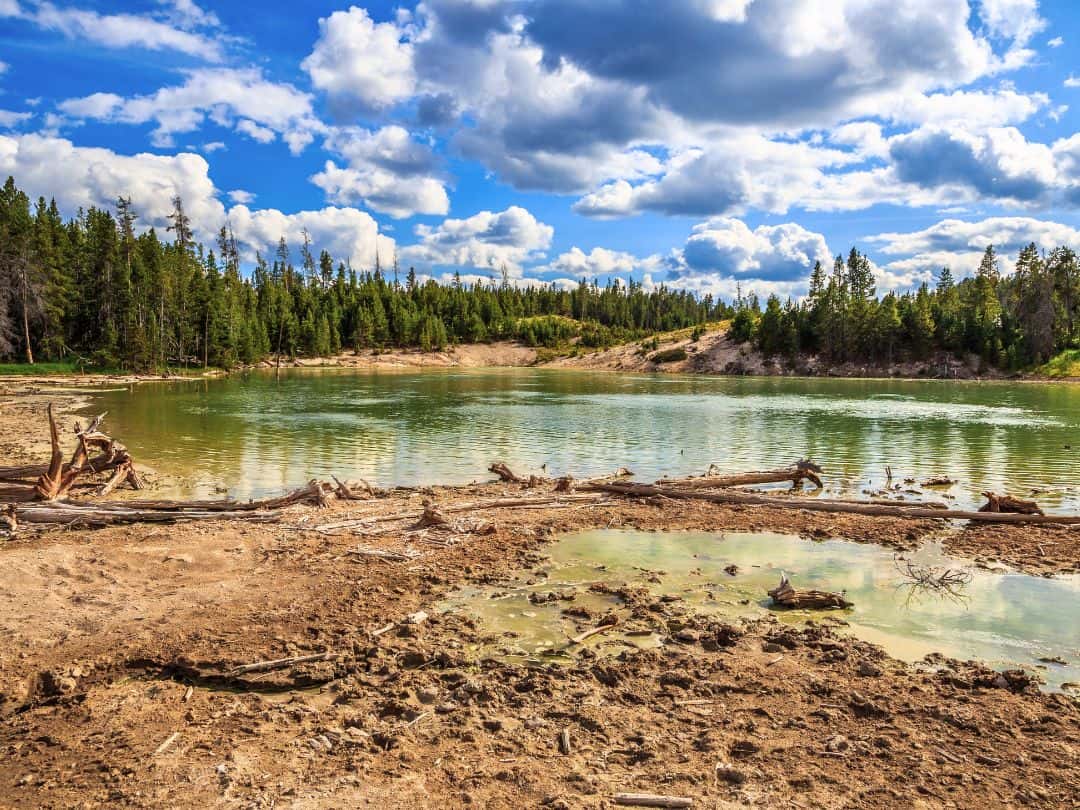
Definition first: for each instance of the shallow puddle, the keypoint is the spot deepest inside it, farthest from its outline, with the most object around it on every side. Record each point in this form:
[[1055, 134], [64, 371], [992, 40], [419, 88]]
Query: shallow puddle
[[1003, 619]]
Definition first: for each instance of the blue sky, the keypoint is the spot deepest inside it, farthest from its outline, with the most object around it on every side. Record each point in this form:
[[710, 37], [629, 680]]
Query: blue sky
[[707, 144]]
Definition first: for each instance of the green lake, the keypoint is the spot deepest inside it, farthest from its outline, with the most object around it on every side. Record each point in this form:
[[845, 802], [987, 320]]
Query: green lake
[[1006, 620], [254, 434]]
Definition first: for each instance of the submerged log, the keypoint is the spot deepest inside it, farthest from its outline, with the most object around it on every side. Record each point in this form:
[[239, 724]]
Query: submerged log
[[817, 505], [784, 595], [1006, 503], [803, 470]]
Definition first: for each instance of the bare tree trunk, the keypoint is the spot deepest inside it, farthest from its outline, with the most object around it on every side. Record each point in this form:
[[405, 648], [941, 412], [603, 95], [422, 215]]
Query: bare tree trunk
[[26, 333]]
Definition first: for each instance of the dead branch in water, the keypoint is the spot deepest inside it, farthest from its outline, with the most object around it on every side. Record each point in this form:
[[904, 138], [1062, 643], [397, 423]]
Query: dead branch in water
[[913, 511], [784, 595], [948, 582], [802, 470]]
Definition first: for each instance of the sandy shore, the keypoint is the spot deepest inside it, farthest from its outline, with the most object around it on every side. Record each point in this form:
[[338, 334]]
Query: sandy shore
[[115, 687]]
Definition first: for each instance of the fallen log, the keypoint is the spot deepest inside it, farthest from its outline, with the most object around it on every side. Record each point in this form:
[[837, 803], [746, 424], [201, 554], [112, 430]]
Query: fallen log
[[73, 515], [784, 595], [803, 470], [816, 505], [1006, 503]]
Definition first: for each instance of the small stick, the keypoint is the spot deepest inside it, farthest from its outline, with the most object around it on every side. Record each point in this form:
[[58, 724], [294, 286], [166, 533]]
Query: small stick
[[188, 694], [580, 637], [381, 630], [651, 800], [165, 745], [564, 741], [281, 663]]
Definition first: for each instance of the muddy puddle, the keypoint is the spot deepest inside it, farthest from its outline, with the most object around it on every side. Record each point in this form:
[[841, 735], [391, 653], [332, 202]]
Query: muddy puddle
[[1004, 619]]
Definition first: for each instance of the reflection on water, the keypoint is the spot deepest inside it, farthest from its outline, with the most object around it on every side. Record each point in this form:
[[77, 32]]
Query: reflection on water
[[255, 434], [1006, 620]]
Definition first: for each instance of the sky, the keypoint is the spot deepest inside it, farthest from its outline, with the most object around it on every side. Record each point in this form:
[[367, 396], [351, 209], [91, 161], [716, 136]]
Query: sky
[[712, 145]]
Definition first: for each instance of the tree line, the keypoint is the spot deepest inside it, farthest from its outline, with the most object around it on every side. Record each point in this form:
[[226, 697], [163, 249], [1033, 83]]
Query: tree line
[[1012, 321], [92, 288]]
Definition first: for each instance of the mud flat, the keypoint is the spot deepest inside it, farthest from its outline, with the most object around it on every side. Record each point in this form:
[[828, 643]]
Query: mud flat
[[126, 675]]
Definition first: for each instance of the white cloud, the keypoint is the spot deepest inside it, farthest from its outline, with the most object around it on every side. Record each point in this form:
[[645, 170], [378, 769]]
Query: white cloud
[[10, 119], [79, 176], [1072, 81], [600, 262], [348, 234], [117, 30], [245, 126], [221, 94], [1056, 42], [960, 245], [238, 195], [359, 63], [724, 246], [487, 240], [213, 146], [186, 14], [4, 67], [387, 171]]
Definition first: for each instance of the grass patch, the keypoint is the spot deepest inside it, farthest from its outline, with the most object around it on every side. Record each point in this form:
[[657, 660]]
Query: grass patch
[[669, 356], [43, 369], [1065, 364]]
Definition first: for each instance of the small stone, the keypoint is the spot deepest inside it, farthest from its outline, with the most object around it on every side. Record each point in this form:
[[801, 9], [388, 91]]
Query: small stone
[[771, 647], [730, 774], [868, 670], [837, 743], [687, 636]]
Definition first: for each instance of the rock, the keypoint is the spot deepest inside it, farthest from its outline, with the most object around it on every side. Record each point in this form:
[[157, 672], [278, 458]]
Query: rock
[[730, 774], [868, 670], [687, 636], [771, 647], [837, 743], [744, 748]]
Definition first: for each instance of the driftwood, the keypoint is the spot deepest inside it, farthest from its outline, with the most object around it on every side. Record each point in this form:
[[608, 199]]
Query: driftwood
[[53, 481], [505, 473], [1006, 503], [803, 470], [651, 800], [818, 505], [280, 663], [72, 515], [784, 595]]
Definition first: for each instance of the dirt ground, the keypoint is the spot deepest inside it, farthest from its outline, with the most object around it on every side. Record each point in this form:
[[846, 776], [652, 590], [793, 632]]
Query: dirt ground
[[117, 685]]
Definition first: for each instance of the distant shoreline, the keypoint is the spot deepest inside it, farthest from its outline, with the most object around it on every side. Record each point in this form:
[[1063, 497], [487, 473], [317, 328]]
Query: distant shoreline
[[711, 355]]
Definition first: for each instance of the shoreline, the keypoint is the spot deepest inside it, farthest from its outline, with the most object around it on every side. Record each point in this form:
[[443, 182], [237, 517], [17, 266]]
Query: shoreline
[[713, 355]]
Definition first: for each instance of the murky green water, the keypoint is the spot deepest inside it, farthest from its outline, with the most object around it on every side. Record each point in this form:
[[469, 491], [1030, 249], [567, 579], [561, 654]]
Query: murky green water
[[1005, 620], [255, 434]]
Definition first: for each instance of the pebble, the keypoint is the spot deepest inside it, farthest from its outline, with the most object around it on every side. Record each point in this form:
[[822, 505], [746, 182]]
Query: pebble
[[730, 774]]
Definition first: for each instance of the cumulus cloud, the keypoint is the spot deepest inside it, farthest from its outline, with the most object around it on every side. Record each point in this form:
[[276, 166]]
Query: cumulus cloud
[[999, 164], [80, 177], [1072, 81], [725, 246], [238, 195], [959, 245], [347, 233], [601, 262], [118, 30], [239, 97], [387, 170], [485, 241], [361, 65]]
